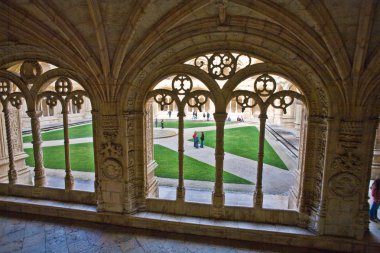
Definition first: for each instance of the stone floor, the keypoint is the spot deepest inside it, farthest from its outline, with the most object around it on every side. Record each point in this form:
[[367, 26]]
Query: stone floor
[[26, 233]]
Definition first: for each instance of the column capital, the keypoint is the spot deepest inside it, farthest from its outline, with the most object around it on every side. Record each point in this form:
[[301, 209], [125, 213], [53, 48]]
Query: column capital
[[34, 114], [181, 114], [220, 116]]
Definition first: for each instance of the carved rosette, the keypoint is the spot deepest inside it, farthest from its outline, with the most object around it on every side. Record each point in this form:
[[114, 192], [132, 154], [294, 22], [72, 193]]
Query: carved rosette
[[344, 184], [110, 150], [111, 168]]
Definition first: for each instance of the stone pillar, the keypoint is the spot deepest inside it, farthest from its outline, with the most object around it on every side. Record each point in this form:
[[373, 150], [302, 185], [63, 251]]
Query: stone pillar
[[312, 170], [39, 170], [152, 189], [136, 177], [181, 150], [375, 169], [344, 205], [294, 193], [69, 179], [12, 173], [218, 193], [258, 195]]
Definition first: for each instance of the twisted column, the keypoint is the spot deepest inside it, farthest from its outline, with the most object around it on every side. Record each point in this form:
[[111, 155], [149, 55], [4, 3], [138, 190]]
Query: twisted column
[[39, 170], [181, 150], [218, 193], [69, 179], [258, 195], [12, 173]]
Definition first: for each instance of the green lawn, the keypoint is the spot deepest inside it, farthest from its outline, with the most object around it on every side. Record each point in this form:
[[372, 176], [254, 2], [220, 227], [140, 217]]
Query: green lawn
[[74, 132], [244, 142], [187, 123], [82, 157], [167, 161]]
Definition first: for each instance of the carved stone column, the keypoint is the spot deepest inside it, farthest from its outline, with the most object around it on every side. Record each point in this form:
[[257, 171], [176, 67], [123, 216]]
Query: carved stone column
[[12, 173], [218, 193], [294, 194], [258, 195], [312, 170], [344, 206], [69, 179], [39, 170], [152, 189], [111, 186], [181, 150]]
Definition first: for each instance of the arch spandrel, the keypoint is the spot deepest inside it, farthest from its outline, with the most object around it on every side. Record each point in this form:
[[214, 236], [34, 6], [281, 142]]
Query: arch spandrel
[[312, 75], [215, 92], [21, 85]]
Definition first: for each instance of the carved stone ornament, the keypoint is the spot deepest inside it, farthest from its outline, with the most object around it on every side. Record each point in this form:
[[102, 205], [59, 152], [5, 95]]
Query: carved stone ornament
[[111, 149], [30, 69], [344, 184], [347, 161], [111, 168]]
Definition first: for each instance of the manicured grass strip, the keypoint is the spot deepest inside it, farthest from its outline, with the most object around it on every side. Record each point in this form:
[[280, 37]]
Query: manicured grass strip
[[167, 161], [244, 142], [187, 123], [74, 132], [82, 157]]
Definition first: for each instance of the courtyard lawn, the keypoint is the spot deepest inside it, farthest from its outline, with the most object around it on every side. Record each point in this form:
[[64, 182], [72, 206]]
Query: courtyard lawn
[[82, 157], [81, 131], [167, 161], [187, 123], [244, 142]]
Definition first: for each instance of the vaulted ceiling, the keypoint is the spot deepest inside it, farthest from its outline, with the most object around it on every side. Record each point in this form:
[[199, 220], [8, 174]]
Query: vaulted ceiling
[[104, 39]]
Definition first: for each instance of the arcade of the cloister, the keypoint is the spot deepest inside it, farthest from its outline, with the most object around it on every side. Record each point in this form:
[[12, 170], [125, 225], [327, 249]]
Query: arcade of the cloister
[[259, 63]]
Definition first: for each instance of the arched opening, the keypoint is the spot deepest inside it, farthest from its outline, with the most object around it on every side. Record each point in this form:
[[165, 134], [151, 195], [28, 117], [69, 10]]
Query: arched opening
[[54, 124], [237, 106]]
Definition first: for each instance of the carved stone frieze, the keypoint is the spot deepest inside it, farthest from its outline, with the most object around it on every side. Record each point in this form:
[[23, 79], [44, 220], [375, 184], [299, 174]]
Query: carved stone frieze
[[344, 184], [15, 130], [347, 161], [112, 168], [110, 149], [110, 123], [351, 133]]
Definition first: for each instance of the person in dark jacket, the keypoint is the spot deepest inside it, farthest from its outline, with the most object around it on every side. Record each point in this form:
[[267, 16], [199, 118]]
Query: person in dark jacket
[[202, 139]]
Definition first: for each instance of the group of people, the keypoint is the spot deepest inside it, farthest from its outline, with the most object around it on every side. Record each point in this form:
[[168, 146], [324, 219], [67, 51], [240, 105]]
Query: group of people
[[205, 116], [375, 193], [156, 123], [196, 139]]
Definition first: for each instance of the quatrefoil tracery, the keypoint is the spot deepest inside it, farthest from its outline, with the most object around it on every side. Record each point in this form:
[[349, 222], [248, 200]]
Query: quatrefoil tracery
[[182, 84], [51, 100], [245, 101], [283, 102], [5, 87], [197, 100], [63, 86], [16, 100], [222, 66], [163, 99], [78, 101], [265, 85]]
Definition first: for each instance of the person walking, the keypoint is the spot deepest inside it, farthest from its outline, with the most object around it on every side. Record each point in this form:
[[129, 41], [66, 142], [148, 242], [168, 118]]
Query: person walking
[[202, 138], [156, 122], [375, 193], [162, 124], [208, 116]]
